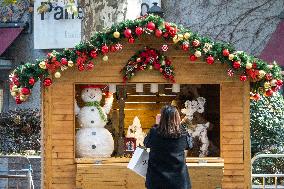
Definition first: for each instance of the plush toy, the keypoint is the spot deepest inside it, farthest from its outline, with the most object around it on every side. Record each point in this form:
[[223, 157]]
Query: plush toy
[[196, 130], [92, 139]]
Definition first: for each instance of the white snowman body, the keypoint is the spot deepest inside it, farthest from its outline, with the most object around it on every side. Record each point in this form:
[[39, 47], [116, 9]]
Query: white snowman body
[[92, 139]]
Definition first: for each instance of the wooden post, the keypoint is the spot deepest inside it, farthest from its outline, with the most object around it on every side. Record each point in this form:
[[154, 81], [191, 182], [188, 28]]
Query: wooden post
[[121, 104]]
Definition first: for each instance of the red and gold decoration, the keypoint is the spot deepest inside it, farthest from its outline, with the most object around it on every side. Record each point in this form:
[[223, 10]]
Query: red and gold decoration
[[265, 78], [148, 59]]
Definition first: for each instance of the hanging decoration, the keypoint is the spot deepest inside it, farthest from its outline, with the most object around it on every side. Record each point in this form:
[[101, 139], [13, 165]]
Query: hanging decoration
[[265, 78], [148, 59]]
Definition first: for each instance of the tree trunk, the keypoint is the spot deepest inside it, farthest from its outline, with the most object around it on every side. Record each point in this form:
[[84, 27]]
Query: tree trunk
[[100, 14]]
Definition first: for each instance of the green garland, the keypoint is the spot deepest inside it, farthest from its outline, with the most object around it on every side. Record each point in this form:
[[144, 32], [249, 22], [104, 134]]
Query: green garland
[[265, 78]]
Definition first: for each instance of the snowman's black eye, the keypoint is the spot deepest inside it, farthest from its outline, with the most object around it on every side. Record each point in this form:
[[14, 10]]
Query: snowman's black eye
[[87, 90]]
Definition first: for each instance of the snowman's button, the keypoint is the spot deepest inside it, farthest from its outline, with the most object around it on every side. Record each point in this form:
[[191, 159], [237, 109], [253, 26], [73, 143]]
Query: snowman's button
[[92, 109], [93, 146], [94, 133], [92, 121]]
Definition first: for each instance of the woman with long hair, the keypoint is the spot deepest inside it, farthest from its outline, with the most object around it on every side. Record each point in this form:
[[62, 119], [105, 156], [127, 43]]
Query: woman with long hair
[[167, 141]]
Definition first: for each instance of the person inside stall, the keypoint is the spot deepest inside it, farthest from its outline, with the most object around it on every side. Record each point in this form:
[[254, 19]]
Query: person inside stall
[[167, 141]]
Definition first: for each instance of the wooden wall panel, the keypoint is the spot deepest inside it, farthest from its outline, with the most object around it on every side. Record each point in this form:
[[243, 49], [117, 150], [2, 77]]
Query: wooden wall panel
[[233, 121]]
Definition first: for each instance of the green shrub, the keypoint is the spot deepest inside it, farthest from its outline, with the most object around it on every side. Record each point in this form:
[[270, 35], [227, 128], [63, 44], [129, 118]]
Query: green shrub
[[267, 134], [19, 131]]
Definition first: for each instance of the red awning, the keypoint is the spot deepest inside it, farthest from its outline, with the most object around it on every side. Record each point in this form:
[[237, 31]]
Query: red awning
[[7, 36], [274, 49]]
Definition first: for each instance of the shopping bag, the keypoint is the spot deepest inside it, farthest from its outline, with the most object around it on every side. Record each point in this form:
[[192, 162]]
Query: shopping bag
[[139, 162]]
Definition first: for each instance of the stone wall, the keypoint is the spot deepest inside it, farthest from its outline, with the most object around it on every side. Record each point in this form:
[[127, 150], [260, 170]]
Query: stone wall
[[17, 163]]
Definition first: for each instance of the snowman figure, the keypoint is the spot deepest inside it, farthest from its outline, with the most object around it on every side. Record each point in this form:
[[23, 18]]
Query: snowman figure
[[92, 139]]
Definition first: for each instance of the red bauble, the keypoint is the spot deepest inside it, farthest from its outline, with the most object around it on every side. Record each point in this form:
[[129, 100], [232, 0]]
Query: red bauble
[[275, 88], [47, 82], [279, 82], [139, 31], [18, 100], [94, 53], [192, 57], [268, 76], [113, 48], [17, 83], [25, 91], [104, 49], [127, 33], [131, 40], [269, 92], [81, 68], [157, 66], [151, 26], [226, 52], [256, 97], [158, 33], [185, 46], [172, 31], [167, 25], [165, 35], [195, 43], [168, 62], [236, 65], [64, 61], [254, 66], [53, 59], [210, 59], [31, 81], [243, 78], [90, 66]]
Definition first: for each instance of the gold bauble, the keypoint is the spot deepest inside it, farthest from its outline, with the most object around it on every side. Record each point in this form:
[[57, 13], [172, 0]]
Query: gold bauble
[[23, 97], [248, 65], [261, 73], [42, 65], [15, 89], [197, 54], [105, 58], [270, 67], [266, 85], [70, 63], [14, 94], [273, 82], [116, 34], [231, 56], [175, 39], [57, 75], [186, 35], [180, 36]]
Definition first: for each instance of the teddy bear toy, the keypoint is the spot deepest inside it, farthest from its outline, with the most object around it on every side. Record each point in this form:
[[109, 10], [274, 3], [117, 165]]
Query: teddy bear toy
[[92, 139]]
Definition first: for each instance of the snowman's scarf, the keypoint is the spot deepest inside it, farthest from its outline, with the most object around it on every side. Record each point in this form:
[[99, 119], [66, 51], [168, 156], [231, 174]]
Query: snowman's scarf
[[98, 106]]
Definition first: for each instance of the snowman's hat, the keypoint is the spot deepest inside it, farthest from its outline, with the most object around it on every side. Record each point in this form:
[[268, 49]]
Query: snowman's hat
[[93, 86]]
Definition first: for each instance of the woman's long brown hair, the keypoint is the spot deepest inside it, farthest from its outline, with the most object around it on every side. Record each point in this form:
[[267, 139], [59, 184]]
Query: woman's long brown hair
[[169, 125]]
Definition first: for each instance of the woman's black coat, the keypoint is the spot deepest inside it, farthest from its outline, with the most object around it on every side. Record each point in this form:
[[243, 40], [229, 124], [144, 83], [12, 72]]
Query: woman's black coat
[[166, 166]]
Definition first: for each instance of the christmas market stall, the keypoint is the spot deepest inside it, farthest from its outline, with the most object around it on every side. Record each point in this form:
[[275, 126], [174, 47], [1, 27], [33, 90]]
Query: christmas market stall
[[101, 98]]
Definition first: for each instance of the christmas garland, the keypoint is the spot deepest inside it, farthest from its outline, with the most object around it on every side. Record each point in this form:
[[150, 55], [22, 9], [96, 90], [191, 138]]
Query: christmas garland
[[265, 78], [148, 59]]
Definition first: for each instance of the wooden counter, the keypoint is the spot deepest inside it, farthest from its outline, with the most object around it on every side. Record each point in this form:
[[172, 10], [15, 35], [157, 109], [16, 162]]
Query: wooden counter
[[112, 173]]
